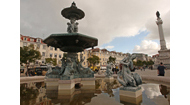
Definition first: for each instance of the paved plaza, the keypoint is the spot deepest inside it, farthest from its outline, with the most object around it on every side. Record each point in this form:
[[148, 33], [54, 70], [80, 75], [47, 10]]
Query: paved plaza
[[149, 72]]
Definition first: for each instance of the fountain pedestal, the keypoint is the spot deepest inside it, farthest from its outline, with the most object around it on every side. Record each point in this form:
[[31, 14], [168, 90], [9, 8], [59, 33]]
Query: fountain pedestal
[[66, 86], [130, 95], [51, 83], [88, 83]]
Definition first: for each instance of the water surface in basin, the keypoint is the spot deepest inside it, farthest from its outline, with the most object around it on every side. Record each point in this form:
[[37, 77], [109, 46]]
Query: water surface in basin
[[105, 93]]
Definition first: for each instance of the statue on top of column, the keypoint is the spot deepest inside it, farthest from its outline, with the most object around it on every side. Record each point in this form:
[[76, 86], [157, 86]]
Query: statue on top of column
[[158, 14]]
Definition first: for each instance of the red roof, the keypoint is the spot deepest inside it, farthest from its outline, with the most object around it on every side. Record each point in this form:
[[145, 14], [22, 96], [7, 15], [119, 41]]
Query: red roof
[[22, 36]]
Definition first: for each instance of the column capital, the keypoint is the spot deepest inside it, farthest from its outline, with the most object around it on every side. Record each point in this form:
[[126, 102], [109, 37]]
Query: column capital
[[159, 21]]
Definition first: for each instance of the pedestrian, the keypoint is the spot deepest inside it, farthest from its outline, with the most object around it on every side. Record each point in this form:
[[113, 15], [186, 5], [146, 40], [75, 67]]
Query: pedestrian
[[161, 68], [144, 68]]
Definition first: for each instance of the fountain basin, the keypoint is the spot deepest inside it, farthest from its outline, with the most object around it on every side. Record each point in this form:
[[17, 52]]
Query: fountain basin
[[71, 42]]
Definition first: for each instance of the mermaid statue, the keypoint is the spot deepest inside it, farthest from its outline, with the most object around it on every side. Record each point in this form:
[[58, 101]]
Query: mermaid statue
[[129, 79]]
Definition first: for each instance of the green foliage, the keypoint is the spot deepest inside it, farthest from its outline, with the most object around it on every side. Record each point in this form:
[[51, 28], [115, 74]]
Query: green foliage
[[150, 62], [142, 63], [93, 60], [28, 54], [111, 60], [139, 63], [52, 61], [64, 56]]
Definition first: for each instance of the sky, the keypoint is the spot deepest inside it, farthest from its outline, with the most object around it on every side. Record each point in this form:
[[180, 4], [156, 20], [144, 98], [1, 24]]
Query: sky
[[127, 26]]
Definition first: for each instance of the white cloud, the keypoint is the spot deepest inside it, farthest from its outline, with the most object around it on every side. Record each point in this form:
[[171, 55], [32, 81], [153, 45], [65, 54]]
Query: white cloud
[[148, 47], [151, 90], [103, 19], [109, 47]]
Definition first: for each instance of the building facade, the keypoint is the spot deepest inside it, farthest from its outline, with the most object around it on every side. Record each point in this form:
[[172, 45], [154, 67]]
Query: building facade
[[141, 56], [104, 55], [45, 51], [51, 52]]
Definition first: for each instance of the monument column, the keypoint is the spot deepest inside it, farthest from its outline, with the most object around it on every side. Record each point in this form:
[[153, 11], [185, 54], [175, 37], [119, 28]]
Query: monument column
[[159, 22], [164, 53]]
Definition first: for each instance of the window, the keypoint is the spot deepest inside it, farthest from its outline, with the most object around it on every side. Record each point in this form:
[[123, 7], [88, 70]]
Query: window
[[84, 63], [36, 62], [43, 53], [24, 44], [43, 62], [38, 46], [50, 55], [38, 40], [44, 46], [103, 59], [25, 38], [59, 55], [51, 48], [31, 40], [55, 49], [84, 58], [84, 52], [55, 55]]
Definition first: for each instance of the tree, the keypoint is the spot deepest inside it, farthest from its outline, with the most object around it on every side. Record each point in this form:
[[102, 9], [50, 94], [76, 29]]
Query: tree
[[111, 60], [52, 61], [29, 55], [139, 63], [144, 63], [150, 62], [93, 60]]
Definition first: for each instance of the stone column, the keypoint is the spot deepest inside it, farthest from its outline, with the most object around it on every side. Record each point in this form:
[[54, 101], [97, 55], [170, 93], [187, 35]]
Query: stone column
[[159, 22]]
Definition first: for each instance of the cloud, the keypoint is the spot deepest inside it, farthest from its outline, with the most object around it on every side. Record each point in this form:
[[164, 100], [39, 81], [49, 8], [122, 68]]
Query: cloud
[[148, 47], [151, 90], [109, 47], [103, 19]]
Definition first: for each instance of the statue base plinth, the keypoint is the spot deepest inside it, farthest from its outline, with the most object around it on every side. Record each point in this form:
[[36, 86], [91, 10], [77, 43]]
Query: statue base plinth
[[130, 95], [51, 83]]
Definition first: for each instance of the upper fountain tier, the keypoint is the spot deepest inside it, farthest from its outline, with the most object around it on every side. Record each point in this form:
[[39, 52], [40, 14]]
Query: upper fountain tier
[[72, 12], [71, 41]]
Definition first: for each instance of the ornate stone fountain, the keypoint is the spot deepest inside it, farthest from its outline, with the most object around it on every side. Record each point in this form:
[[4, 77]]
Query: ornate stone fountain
[[72, 71]]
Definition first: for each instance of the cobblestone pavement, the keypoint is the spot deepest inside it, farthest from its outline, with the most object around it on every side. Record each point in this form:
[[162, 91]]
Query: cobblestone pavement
[[149, 72]]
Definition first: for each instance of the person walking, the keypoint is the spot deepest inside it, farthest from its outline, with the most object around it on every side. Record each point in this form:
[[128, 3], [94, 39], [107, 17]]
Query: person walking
[[161, 70]]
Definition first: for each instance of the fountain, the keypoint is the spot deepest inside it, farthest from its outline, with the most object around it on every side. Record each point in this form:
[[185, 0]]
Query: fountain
[[72, 71]]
